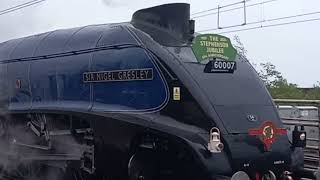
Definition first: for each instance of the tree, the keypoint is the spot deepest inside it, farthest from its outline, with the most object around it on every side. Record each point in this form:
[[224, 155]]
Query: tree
[[241, 50], [314, 93], [277, 85], [238, 45], [270, 76]]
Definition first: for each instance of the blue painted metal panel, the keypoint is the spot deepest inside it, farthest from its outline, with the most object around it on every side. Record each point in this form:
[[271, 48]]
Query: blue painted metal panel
[[27, 47], [57, 83], [43, 83], [72, 92], [62, 41], [55, 42], [116, 35], [134, 95], [18, 86], [3, 84], [86, 37], [7, 48]]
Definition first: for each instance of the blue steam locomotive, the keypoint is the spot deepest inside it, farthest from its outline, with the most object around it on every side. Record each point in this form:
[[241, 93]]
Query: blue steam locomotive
[[144, 100]]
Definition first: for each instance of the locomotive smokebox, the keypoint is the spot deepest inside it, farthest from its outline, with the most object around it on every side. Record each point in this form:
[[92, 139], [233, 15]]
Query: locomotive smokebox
[[168, 24]]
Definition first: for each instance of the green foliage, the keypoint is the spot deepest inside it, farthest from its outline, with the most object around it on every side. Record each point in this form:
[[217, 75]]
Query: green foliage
[[239, 46], [277, 85], [285, 90], [270, 76], [314, 93]]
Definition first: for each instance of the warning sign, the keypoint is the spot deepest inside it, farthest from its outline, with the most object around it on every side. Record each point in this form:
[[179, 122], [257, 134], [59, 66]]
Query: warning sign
[[176, 94]]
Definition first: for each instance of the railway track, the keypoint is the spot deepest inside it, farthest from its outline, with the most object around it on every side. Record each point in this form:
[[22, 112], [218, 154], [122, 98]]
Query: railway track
[[306, 113]]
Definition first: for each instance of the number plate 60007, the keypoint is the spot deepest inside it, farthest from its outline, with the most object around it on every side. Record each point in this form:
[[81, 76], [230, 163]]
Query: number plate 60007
[[218, 66]]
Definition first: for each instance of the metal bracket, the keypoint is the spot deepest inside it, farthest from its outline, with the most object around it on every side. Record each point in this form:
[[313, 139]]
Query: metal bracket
[[47, 147], [38, 126], [88, 156], [244, 16]]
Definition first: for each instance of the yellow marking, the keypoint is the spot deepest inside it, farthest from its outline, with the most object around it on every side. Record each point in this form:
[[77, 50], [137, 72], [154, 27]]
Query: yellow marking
[[176, 94]]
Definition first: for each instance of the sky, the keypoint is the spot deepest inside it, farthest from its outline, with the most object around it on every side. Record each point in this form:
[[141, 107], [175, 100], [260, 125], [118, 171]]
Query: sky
[[293, 48]]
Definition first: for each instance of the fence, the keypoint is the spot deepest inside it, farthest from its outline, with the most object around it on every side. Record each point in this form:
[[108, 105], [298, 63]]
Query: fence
[[306, 113]]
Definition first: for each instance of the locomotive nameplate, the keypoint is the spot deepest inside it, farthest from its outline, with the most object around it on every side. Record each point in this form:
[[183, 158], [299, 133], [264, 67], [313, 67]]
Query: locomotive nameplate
[[119, 75]]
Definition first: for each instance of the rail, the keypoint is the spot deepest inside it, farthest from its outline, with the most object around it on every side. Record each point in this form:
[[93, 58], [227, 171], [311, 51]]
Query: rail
[[312, 126]]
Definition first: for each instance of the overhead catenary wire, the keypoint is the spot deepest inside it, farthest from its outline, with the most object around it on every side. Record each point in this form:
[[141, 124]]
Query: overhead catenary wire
[[20, 6], [232, 9], [269, 25], [264, 21], [228, 5]]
